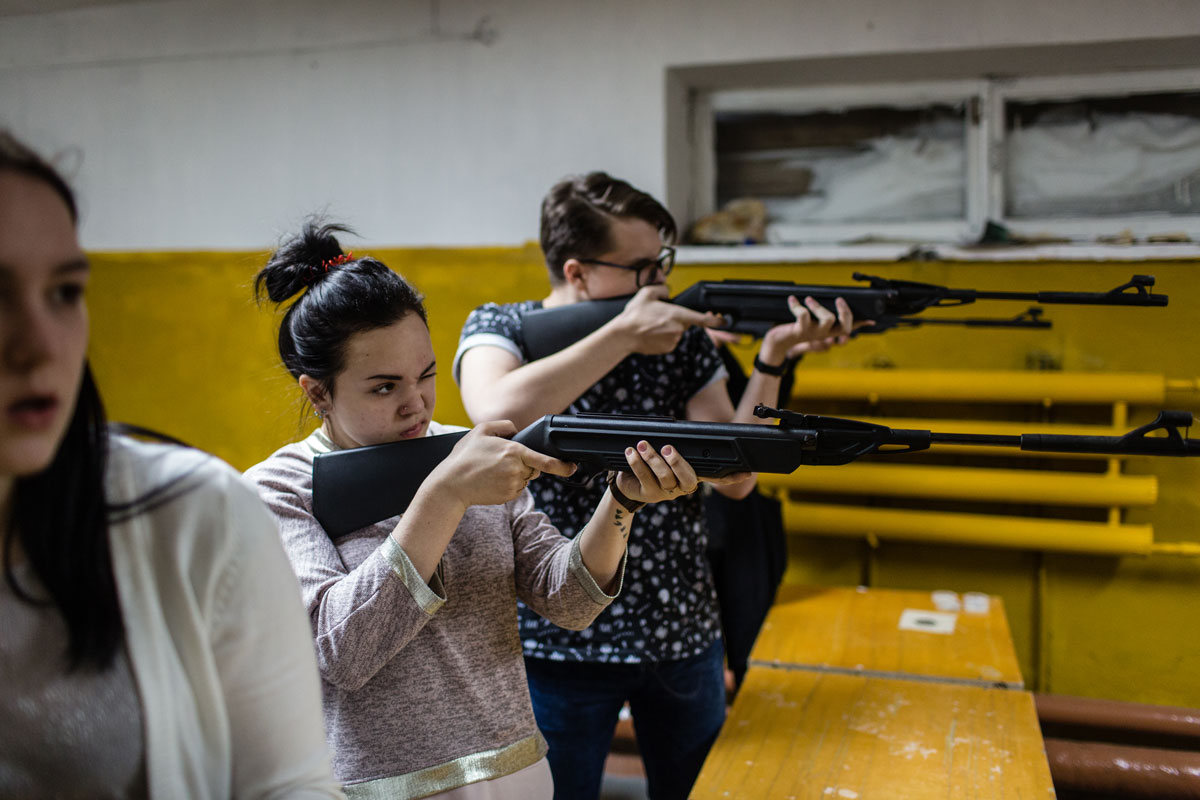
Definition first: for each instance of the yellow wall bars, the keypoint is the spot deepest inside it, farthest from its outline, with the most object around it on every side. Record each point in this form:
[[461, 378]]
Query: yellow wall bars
[[178, 345]]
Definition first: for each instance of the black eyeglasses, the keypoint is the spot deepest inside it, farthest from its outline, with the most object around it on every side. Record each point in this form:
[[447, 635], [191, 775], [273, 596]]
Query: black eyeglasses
[[644, 268]]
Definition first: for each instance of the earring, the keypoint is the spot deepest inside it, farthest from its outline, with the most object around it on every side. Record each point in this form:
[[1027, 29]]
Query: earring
[[319, 413]]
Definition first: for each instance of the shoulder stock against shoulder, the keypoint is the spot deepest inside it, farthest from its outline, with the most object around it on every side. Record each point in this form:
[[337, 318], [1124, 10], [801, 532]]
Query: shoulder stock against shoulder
[[548, 330], [356, 488]]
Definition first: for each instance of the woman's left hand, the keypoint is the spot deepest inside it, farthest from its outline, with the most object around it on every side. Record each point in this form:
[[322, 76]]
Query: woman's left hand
[[815, 330], [654, 477]]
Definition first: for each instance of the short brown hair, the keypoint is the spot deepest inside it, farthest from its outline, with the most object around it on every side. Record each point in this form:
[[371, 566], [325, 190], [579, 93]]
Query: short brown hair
[[577, 217]]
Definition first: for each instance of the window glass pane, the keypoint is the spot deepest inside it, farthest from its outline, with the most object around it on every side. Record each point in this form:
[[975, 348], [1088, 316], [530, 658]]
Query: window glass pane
[[1103, 156], [864, 164]]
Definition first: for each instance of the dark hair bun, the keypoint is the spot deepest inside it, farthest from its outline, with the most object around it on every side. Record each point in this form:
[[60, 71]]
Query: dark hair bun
[[339, 296], [301, 261]]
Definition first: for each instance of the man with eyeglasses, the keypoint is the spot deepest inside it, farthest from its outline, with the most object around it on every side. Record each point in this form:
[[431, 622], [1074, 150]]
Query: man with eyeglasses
[[658, 645]]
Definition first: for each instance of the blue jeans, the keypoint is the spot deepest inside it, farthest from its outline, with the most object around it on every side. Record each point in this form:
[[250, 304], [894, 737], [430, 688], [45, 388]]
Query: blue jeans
[[677, 707]]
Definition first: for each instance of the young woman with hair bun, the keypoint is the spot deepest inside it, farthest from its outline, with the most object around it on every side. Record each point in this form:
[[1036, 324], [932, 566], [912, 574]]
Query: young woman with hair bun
[[150, 641], [414, 618]]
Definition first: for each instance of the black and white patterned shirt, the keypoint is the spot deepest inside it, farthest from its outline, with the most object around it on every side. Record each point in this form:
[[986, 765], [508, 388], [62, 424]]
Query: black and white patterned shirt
[[668, 607]]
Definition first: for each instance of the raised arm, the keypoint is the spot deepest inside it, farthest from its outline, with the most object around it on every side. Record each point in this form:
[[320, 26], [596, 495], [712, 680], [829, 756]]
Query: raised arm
[[495, 384], [815, 329], [712, 404], [362, 617], [570, 590], [484, 468], [653, 477]]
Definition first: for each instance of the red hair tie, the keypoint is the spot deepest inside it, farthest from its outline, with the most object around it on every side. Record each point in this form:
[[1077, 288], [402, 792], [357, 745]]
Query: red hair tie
[[337, 260]]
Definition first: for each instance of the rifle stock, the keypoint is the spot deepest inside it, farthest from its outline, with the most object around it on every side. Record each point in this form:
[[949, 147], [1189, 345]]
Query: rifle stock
[[753, 307], [356, 488]]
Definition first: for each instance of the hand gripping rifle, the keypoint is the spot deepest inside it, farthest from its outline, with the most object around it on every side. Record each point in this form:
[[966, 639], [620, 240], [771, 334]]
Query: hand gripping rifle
[[754, 307], [359, 487]]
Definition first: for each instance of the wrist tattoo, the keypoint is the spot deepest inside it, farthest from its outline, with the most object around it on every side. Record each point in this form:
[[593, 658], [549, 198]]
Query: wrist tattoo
[[620, 523]]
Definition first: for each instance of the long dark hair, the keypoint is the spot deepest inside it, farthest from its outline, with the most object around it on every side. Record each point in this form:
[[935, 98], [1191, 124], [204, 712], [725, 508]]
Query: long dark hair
[[59, 515], [342, 296], [60, 518]]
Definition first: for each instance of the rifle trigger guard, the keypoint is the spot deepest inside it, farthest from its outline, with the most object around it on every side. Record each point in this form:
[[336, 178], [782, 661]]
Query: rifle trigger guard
[[580, 478]]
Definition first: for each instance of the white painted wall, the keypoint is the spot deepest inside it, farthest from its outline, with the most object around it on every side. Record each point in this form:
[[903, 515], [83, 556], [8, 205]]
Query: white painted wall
[[198, 124]]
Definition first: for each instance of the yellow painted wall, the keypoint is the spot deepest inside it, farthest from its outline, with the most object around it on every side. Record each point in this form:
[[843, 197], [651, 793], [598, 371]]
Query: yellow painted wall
[[179, 346]]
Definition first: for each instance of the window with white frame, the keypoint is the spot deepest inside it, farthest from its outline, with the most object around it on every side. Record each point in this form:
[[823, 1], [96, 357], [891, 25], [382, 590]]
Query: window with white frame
[[1099, 157], [1066, 159]]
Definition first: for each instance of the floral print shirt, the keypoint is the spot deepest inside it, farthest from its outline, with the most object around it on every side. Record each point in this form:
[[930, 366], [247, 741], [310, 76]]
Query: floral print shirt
[[668, 607]]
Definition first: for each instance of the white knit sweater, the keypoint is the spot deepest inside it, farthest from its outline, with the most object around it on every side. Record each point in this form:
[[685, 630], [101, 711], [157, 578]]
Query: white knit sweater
[[216, 633]]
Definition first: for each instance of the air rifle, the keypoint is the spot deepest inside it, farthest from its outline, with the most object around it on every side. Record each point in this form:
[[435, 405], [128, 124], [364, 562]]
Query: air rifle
[[754, 307], [359, 487]]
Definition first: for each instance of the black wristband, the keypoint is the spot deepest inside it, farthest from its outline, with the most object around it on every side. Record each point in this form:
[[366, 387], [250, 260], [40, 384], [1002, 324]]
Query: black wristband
[[632, 506], [767, 369]]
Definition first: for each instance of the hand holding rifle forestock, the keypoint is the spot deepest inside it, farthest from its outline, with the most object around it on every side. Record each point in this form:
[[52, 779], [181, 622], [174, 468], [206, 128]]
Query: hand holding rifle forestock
[[356, 488], [754, 307]]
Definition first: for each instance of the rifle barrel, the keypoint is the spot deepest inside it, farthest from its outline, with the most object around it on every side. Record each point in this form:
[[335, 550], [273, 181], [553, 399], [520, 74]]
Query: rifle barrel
[[1078, 298], [1130, 444], [989, 439], [1033, 297]]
